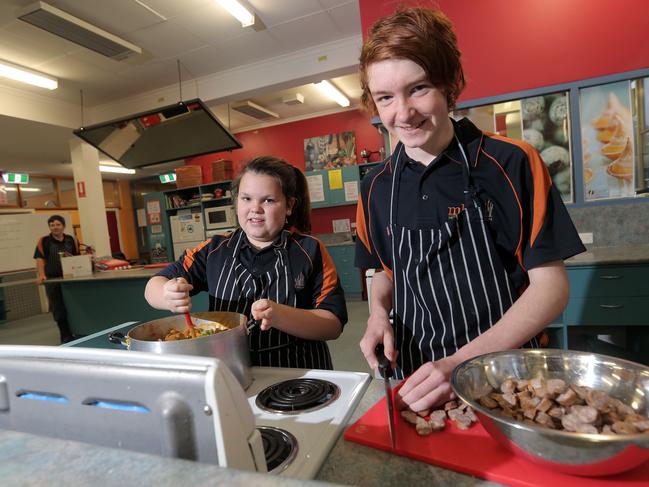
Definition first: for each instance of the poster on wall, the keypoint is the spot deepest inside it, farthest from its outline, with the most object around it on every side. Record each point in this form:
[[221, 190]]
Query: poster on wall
[[546, 126], [330, 151], [607, 141]]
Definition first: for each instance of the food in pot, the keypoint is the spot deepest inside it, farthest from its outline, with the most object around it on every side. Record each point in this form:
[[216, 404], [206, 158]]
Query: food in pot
[[557, 405], [428, 421], [204, 329]]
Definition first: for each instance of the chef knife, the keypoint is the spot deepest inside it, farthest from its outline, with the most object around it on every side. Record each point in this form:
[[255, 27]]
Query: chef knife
[[385, 369]]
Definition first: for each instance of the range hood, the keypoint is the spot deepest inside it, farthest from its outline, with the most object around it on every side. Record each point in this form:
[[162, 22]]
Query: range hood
[[185, 129]]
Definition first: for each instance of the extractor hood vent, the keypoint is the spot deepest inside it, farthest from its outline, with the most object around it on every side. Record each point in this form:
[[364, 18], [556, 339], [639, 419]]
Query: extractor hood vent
[[253, 110], [79, 31]]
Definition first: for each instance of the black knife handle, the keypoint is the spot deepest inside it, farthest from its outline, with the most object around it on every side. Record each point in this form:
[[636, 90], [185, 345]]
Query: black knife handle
[[385, 368]]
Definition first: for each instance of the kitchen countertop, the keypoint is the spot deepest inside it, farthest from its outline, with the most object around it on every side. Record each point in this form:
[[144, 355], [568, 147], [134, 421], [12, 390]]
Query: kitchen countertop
[[631, 254], [30, 460], [134, 273]]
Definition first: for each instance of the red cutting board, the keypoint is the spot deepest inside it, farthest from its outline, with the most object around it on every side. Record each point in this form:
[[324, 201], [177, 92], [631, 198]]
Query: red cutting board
[[474, 452]]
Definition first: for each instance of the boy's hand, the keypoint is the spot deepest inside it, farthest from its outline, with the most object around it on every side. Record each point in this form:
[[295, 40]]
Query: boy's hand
[[176, 295]]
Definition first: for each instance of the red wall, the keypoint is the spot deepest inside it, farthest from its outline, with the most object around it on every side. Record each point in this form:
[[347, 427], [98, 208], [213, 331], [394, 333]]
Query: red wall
[[514, 45], [287, 141]]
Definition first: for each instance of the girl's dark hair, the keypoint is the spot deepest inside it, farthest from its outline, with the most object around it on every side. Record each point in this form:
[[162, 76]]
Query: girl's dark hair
[[293, 184], [421, 35], [54, 218]]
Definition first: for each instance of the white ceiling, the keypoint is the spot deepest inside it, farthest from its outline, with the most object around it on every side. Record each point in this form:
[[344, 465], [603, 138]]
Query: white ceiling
[[214, 52]]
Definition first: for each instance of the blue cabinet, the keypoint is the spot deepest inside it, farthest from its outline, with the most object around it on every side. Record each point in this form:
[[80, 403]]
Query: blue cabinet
[[606, 299], [350, 277]]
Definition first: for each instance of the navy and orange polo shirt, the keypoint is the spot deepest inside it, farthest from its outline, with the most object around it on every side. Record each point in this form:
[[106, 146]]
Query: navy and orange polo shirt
[[529, 223], [307, 257]]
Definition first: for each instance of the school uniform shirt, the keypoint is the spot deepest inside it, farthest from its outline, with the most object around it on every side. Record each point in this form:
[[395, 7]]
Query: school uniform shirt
[[296, 270], [48, 249], [472, 223]]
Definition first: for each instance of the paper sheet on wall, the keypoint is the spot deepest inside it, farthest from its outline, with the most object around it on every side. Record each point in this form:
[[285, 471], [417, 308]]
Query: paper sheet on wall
[[336, 179], [153, 207], [316, 188], [351, 190], [141, 217]]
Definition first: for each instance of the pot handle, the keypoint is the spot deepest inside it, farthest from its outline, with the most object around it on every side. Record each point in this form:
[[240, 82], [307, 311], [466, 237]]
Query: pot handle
[[118, 339]]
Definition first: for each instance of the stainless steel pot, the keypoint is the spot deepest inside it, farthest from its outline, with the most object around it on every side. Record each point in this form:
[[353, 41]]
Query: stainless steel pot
[[230, 346]]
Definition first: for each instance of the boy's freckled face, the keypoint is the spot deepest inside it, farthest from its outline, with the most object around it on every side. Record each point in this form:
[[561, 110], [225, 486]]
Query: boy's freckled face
[[261, 208]]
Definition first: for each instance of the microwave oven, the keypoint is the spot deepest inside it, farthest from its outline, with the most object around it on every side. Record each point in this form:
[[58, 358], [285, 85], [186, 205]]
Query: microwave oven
[[218, 217]]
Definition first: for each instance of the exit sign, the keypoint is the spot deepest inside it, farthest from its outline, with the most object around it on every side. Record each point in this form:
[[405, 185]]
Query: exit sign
[[168, 178], [15, 178]]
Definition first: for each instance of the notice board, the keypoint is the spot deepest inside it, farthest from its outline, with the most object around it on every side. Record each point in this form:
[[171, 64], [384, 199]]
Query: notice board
[[19, 233]]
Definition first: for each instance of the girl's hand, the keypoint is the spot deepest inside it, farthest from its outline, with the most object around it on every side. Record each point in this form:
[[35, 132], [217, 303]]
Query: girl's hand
[[263, 310], [175, 293], [428, 386], [379, 330]]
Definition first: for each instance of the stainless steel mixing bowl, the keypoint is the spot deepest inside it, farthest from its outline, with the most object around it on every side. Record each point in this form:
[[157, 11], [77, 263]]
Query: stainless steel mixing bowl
[[567, 452]]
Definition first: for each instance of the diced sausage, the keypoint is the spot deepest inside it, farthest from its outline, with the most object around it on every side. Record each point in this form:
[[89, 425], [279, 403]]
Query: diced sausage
[[567, 398], [555, 387], [545, 404], [450, 405], [409, 416], [586, 414], [423, 427], [508, 387], [487, 402], [622, 427], [423, 413], [544, 419]]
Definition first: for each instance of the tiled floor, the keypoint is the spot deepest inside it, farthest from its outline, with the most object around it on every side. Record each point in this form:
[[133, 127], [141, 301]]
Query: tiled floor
[[42, 330]]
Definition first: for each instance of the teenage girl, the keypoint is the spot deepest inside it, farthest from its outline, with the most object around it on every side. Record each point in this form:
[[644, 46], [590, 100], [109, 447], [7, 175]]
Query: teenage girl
[[269, 269]]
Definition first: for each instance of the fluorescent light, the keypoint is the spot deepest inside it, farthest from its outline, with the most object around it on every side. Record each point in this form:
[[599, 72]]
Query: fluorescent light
[[238, 11], [24, 75], [22, 190], [120, 170], [333, 93]]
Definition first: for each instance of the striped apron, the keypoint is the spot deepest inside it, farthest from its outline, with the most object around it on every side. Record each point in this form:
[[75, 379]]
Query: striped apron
[[449, 284], [237, 288]]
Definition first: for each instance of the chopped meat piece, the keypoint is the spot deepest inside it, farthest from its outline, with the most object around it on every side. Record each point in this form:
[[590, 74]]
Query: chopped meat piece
[[537, 383], [586, 428], [607, 430], [423, 427], [450, 405], [437, 424], [462, 421], [570, 422], [640, 422], [471, 414], [567, 398], [529, 412], [510, 398], [544, 419], [623, 409], [586, 414], [463, 406], [521, 385], [438, 415], [532, 402], [508, 386], [487, 402], [580, 391], [555, 387], [545, 404], [622, 427], [541, 392], [409, 416], [556, 412], [600, 401], [423, 413], [453, 413]]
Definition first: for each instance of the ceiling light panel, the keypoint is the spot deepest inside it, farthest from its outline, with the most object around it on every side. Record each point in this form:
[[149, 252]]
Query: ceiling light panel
[[238, 11], [333, 93], [29, 76], [74, 29]]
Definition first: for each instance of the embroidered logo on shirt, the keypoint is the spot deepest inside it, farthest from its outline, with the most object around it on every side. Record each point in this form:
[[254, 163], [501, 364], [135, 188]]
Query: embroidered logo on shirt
[[299, 282], [489, 209], [454, 211]]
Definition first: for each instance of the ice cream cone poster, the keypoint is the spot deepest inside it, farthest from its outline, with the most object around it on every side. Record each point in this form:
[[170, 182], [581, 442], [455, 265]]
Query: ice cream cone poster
[[607, 141]]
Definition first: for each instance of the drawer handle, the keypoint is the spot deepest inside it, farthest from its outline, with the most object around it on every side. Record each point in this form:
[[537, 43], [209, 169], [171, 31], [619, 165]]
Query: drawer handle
[[611, 306], [610, 277]]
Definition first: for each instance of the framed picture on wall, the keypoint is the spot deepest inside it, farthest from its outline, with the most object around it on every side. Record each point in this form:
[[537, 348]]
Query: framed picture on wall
[[607, 141], [330, 151]]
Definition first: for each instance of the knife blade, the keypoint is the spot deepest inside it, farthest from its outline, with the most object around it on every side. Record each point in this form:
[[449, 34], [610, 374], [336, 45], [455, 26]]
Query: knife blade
[[385, 369]]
